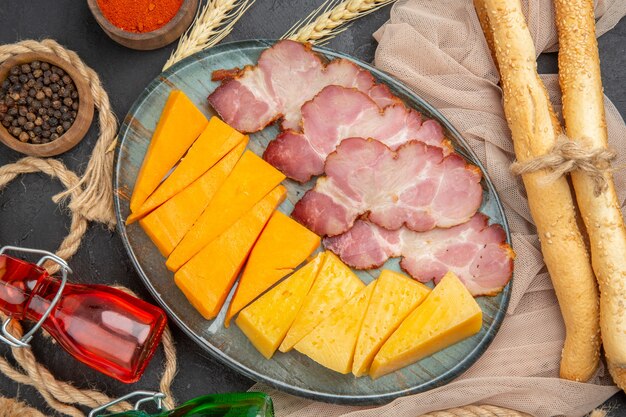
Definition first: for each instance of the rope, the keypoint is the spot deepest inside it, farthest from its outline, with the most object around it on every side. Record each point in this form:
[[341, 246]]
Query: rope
[[90, 199], [567, 156]]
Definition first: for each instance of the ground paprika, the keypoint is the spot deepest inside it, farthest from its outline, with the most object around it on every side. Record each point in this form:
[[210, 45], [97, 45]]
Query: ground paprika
[[139, 16]]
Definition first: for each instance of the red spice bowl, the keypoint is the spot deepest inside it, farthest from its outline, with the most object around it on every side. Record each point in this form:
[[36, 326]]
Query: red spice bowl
[[143, 24]]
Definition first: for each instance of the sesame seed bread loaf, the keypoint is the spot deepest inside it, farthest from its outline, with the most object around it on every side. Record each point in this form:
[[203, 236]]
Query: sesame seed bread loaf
[[583, 111], [535, 129]]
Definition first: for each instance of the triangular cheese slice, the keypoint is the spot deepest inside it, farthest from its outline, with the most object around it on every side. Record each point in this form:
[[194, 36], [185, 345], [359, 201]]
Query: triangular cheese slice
[[395, 296], [283, 245], [332, 342], [208, 277], [266, 321], [167, 225], [250, 181], [448, 315], [180, 124], [335, 284], [216, 140]]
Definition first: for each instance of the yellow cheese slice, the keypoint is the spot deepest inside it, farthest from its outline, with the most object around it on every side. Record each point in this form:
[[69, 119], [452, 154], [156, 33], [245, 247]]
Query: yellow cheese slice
[[266, 321], [180, 124], [334, 285], [216, 140], [250, 181], [332, 342], [395, 296], [167, 225], [208, 277], [448, 315], [283, 245]]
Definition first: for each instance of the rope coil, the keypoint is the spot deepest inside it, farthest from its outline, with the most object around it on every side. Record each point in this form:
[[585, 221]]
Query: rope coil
[[569, 155]]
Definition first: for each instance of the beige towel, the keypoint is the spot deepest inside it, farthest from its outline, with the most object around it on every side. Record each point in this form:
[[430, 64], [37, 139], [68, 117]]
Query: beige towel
[[437, 48]]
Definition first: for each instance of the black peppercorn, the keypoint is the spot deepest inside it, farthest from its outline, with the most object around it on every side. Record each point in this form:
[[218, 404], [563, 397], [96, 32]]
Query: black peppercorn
[[38, 102]]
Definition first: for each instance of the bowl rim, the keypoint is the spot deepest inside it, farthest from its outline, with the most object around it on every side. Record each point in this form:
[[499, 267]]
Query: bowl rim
[[84, 114], [117, 31]]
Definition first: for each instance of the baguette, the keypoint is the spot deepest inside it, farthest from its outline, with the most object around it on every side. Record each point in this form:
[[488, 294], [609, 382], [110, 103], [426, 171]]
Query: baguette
[[583, 111], [535, 128]]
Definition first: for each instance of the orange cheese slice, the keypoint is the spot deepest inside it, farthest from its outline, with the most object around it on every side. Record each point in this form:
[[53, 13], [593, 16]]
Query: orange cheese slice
[[283, 245], [180, 124], [250, 181], [266, 321], [448, 315], [334, 285], [208, 277], [167, 225], [216, 140], [332, 342], [395, 296]]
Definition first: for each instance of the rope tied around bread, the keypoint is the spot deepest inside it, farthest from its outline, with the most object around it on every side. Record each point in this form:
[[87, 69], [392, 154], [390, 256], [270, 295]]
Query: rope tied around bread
[[569, 155]]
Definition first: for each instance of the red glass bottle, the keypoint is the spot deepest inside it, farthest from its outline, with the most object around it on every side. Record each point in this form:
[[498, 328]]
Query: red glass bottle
[[105, 328]]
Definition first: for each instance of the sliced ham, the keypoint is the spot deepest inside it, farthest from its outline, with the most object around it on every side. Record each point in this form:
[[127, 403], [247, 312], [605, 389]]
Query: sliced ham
[[337, 113], [414, 186], [286, 76], [475, 251]]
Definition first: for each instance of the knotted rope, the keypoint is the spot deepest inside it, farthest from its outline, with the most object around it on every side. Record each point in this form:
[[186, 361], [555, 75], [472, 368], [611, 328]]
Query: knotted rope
[[90, 199], [569, 155]]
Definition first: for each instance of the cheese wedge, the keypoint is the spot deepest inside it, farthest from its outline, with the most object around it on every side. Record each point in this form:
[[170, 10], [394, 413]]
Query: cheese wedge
[[250, 181], [208, 277], [266, 321], [167, 225], [332, 342], [335, 284], [394, 297], [180, 124], [448, 315], [283, 245], [216, 140]]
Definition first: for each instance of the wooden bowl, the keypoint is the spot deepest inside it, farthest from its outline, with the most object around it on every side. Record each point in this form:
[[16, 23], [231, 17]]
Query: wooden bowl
[[84, 114], [158, 38]]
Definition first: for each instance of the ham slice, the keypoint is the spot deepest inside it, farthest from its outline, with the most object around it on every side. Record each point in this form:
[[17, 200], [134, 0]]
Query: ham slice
[[337, 113], [415, 186], [475, 251], [286, 76]]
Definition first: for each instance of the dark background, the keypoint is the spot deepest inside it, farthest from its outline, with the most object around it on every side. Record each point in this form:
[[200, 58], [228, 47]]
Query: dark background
[[29, 218]]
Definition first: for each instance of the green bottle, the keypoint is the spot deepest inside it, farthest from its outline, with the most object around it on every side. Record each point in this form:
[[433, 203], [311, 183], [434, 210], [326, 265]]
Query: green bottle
[[248, 404]]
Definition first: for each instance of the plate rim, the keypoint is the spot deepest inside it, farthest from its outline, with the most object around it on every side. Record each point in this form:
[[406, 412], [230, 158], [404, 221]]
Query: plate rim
[[344, 399]]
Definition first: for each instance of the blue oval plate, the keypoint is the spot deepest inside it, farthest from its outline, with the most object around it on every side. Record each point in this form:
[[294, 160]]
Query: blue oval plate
[[291, 372]]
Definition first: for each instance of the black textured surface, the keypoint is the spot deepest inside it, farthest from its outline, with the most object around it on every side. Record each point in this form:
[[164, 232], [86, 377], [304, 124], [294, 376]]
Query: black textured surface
[[29, 218]]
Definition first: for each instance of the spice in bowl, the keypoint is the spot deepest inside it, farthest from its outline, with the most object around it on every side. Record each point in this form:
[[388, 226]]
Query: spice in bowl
[[38, 102], [139, 16]]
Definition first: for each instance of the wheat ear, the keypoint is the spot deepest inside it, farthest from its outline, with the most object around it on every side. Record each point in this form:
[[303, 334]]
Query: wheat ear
[[213, 23], [335, 15]]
